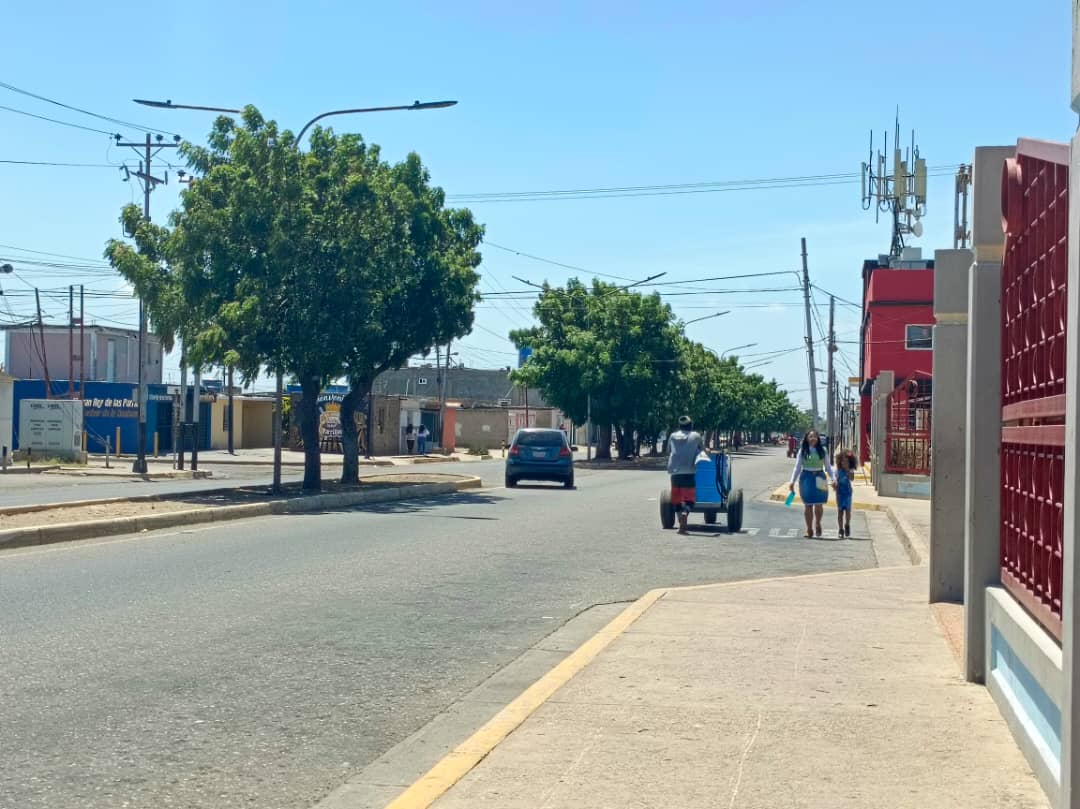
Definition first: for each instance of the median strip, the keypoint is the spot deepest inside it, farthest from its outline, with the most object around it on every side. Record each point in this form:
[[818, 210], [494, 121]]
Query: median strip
[[64, 522]]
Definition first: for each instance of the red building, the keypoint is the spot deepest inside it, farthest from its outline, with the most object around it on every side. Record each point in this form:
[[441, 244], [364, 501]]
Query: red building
[[897, 328]]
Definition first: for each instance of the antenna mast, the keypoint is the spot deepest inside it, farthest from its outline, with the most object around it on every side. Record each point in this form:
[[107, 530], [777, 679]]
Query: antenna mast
[[901, 193]]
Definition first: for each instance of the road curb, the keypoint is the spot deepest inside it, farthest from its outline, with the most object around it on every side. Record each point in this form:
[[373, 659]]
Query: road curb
[[455, 765], [93, 529], [909, 537]]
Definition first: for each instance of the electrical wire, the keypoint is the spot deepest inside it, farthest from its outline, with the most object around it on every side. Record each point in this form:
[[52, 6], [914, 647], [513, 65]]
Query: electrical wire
[[100, 117], [61, 165], [675, 189], [555, 263], [57, 121]]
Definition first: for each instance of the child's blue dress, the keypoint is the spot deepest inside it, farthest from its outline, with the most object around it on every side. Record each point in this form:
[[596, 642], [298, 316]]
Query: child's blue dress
[[843, 490]]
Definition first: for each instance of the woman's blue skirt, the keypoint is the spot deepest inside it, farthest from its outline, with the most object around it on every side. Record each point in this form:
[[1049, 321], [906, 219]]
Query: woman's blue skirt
[[813, 488]]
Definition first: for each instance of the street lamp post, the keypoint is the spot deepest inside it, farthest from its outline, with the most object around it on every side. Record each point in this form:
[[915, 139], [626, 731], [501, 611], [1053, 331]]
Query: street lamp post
[[278, 387], [727, 351], [706, 317]]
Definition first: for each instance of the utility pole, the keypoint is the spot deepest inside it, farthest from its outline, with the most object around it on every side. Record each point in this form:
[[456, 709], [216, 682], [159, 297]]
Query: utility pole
[[809, 337], [831, 405], [82, 341], [71, 341], [44, 349], [146, 150], [443, 386]]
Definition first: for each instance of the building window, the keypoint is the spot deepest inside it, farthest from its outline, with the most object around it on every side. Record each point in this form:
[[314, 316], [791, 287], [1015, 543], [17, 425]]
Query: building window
[[421, 380], [919, 338]]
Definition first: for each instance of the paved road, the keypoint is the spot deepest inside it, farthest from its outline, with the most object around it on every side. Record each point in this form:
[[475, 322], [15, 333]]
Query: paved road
[[261, 662]]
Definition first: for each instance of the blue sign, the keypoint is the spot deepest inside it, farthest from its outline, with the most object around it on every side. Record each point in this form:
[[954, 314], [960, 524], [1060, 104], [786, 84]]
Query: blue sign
[[523, 355]]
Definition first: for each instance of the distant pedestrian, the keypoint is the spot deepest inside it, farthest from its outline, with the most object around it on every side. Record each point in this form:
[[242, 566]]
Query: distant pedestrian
[[684, 447], [410, 438], [845, 467], [422, 439], [813, 473]]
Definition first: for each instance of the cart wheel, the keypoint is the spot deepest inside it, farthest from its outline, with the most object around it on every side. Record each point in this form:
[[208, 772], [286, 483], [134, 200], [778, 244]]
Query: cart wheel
[[710, 518], [667, 511], [735, 512]]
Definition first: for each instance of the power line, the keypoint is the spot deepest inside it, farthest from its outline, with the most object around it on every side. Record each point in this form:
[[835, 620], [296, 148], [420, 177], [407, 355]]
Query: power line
[[555, 263], [100, 117], [61, 165], [674, 189], [45, 253], [57, 121]]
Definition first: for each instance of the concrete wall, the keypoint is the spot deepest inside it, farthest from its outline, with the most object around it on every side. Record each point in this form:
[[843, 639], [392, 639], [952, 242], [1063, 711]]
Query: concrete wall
[[468, 385], [23, 355], [482, 427], [948, 426], [489, 427], [257, 428], [913, 487]]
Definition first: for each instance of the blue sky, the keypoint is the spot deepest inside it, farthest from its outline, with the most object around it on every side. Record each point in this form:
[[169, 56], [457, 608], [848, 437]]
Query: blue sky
[[557, 96]]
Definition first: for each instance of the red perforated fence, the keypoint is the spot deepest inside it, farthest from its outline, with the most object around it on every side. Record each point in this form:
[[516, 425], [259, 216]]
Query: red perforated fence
[[907, 429], [1034, 281]]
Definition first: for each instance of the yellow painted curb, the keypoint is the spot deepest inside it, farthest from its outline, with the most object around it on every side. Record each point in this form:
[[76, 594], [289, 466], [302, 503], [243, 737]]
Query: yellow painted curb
[[456, 764]]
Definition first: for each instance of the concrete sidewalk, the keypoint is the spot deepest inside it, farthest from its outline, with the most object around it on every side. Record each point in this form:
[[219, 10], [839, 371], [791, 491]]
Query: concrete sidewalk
[[828, 691]]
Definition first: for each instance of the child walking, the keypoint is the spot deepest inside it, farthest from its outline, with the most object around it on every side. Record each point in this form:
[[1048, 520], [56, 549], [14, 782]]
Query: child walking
[[842, 483]]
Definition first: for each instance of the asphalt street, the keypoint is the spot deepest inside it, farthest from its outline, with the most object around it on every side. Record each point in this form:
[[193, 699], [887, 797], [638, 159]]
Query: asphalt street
[[262, 662]]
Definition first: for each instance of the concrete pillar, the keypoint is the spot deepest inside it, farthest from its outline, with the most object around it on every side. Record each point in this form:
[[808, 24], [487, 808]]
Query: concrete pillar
[[883, 386], [947, 442], [982, 482], [1070, 635]]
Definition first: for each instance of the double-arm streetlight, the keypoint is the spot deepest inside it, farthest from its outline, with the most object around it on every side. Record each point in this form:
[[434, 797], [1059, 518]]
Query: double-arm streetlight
[[279, 386]]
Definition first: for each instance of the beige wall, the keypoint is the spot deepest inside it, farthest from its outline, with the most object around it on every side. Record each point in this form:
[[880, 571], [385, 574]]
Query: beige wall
[[488, 427], [481, 427], [257, 428]]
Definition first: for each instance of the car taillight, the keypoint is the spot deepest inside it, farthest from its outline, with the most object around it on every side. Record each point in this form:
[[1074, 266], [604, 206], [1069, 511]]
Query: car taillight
[[564, 452], [515, 450]]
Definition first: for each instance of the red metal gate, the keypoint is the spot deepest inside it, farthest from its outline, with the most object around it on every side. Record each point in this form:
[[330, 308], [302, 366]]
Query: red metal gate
[[1035, 209], [907, 429]]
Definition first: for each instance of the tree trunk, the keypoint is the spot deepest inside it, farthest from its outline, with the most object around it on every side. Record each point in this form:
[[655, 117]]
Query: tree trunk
[[603, 442], [309, 430], [350, 437]]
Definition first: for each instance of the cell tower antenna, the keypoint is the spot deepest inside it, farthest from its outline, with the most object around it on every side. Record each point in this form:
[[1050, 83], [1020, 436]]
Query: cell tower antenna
[[901, 192]]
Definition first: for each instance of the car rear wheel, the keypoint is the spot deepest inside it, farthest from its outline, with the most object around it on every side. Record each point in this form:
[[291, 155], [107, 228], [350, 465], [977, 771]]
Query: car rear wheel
[[569, 482], [511, 483], [667, 510], [710, 518]]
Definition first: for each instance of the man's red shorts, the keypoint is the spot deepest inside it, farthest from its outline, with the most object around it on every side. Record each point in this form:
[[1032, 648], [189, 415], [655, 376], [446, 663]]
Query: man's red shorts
[[683, 490]]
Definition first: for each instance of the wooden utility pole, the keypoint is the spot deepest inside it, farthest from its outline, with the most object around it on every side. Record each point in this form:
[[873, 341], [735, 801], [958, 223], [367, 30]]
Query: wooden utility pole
[[831, 403], [809, 337]]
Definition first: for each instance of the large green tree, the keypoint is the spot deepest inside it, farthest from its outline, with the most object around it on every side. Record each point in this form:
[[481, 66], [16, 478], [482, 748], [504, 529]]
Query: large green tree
[[303, 263], [615, 345]]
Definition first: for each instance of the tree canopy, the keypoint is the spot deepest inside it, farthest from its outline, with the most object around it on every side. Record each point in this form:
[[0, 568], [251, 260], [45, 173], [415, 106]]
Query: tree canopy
[[317, 264], [627, 352]]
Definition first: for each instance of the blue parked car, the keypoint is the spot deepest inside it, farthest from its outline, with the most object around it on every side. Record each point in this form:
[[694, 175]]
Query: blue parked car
[[539, 454]]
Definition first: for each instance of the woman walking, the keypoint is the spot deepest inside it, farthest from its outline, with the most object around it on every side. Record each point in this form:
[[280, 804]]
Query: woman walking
[[813, 473]]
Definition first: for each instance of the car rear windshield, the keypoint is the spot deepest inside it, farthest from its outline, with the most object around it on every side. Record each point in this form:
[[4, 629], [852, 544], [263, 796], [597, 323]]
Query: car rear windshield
[[552, 438]]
